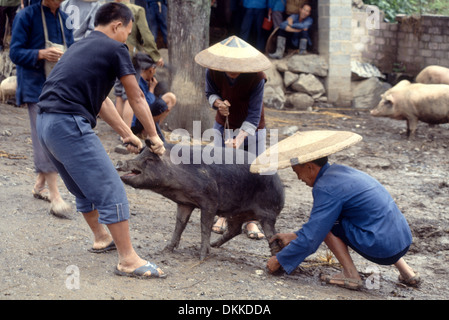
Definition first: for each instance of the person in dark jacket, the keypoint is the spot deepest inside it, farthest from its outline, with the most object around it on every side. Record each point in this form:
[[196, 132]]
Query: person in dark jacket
[[39, 38], [235, 84]]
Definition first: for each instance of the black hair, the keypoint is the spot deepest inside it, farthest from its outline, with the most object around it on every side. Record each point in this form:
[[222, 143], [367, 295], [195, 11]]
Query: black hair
[[142, 61], [320, 162], [113, 11]]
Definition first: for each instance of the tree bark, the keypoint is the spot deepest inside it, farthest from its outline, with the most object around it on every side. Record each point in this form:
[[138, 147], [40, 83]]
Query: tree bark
[[188, 34]]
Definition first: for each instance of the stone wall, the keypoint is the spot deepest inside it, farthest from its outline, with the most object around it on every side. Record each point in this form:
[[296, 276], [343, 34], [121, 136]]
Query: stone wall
[[407, 46]]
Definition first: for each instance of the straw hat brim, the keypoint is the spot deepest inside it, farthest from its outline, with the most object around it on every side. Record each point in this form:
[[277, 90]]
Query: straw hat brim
[[303, 147], [233, 55]]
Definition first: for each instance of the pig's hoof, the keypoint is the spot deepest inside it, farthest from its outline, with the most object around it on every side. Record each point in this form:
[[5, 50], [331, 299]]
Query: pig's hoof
[[168, 248]]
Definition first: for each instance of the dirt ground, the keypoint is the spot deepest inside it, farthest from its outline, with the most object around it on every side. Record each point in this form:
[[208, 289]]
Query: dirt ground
[[41, 255]]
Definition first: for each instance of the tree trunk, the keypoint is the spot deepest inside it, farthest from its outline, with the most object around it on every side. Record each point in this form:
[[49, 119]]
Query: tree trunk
[[188, 34]]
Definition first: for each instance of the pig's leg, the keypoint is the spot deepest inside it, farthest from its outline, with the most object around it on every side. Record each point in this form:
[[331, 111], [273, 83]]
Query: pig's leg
[[182, 217], [234, 228], [207, 221], [412, 124], [269, 230]]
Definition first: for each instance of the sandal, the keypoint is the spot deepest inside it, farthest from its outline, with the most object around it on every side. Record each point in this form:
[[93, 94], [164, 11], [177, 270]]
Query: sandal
[[111, 246], [140, 272], [348, 283], [412, 281], [42, 194], [253, 234]]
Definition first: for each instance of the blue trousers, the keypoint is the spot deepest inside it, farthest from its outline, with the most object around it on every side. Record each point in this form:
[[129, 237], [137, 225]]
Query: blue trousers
[[253, 17], [157, 19], [84, 165]]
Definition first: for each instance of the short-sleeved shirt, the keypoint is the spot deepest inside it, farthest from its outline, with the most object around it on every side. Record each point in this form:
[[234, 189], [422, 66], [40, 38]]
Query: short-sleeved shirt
[[84, 76]]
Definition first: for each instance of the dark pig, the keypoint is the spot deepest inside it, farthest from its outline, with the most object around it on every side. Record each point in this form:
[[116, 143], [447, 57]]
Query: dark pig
[[220, 187], [415, 102]]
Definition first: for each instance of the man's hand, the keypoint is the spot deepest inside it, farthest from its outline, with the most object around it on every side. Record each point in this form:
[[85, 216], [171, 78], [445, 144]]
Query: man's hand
[[222, 106], [284, 238], [152, 84], [51, 54], [157, 146], [273, 264], [133, 144]]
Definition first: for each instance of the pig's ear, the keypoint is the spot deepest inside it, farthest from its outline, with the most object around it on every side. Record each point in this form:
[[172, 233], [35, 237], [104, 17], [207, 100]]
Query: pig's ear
[[148, 143], [390, 98]]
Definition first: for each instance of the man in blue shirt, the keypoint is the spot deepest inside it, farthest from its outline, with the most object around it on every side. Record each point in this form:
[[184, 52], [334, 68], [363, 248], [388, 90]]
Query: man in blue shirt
[[352, 209], [296, 29]]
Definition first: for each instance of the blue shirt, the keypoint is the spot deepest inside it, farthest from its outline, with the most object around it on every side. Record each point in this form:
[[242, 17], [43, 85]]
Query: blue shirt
[[27, 39], [304, 24], [371, 220], [84, 76], [149, 96], [276, 5], [255, 4]]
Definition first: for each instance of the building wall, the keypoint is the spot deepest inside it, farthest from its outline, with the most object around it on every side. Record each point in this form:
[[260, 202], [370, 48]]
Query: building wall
[[406, 46]]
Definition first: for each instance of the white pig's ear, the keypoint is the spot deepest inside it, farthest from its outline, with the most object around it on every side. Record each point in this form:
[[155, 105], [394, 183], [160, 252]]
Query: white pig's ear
[[390, 98]]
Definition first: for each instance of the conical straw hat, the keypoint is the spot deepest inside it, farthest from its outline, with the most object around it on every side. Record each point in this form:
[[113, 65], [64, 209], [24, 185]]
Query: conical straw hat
[[233, 55], [303, 147]]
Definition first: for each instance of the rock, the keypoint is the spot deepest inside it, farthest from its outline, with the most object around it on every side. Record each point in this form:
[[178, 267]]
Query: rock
[[290, 78], [309, 84], [310, 63], [361, 70], [289, 130], [281, 64], [274, 97], [299, 101], [121, 149], [274, 77], [367, 93]]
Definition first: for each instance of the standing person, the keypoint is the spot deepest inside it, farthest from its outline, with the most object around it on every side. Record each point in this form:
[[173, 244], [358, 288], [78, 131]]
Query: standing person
[[140, 40], [39, 38], [350, 209], [8, 9], [253, 18], [296, 30], [72, 98], [234, 87], [82, 15], [157, 18], [276, 9]]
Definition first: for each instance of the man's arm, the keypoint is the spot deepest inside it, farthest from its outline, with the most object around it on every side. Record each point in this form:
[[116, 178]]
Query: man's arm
[[109, 114], [142, 111]]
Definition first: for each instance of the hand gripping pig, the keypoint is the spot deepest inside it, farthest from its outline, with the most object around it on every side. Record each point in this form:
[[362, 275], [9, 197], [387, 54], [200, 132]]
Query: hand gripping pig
[[221, 187], [415, 101]]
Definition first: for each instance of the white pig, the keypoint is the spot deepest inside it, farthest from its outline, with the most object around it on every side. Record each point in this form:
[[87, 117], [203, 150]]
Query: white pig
[[415, 101], [433, 75], [8, 88]]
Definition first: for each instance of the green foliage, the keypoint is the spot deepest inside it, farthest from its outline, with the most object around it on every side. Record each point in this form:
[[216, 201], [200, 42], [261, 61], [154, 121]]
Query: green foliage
[[409, 7]]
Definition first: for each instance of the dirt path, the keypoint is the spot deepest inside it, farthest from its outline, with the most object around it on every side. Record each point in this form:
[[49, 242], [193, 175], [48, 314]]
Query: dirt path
[[41, 254]]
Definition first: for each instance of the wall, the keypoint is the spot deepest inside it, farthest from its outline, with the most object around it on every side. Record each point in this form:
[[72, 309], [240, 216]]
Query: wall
[[334, 21], [407, 46]]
